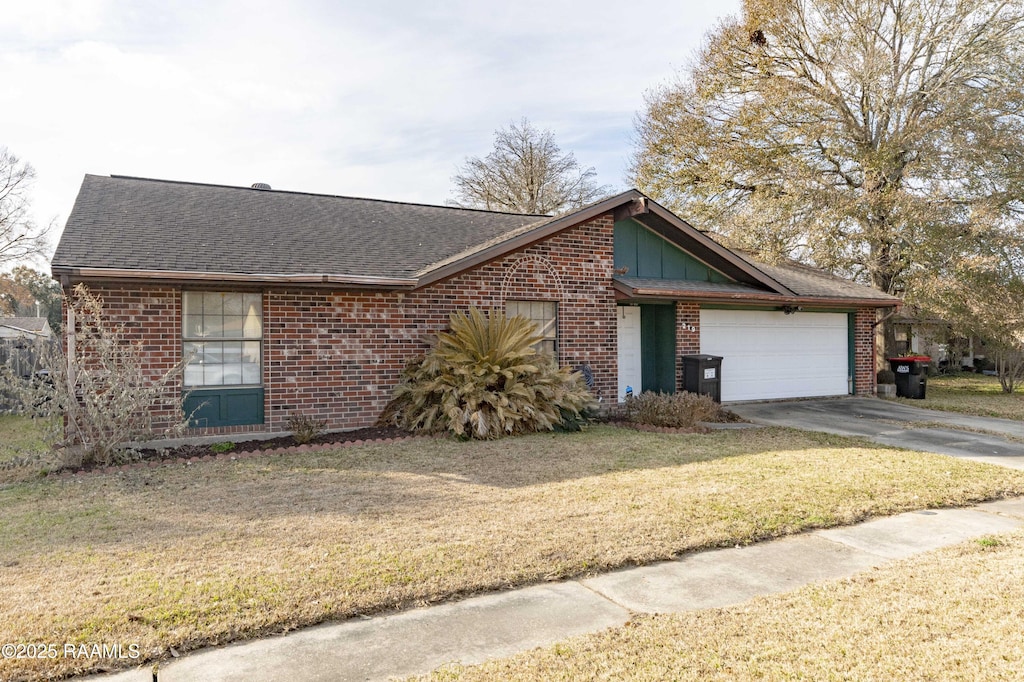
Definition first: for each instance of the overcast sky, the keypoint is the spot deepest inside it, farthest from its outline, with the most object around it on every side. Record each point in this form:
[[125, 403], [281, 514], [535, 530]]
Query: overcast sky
[[375, 98]]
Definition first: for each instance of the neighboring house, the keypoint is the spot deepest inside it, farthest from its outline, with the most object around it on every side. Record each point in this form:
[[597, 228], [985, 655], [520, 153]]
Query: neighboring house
[[30, 328], [23, 342], [302, 303]]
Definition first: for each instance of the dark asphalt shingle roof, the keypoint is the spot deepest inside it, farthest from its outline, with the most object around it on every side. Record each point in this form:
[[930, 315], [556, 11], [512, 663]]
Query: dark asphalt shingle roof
[[689, 286], [141, 224], [804, 280]]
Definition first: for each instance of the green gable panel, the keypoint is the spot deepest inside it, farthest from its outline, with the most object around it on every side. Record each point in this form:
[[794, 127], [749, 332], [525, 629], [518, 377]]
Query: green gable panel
[[716, 276], [647, 254], [625, 246]]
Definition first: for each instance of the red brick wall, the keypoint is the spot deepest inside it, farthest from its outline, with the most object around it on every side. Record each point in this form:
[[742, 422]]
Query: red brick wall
[[687, 335], [338, 355], [864, 351], [150, 316]]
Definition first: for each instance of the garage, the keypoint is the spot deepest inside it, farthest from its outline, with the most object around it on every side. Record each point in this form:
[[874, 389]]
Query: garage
[[769, 354]]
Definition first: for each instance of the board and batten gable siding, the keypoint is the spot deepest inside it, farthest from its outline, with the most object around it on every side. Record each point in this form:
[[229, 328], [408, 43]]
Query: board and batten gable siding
[[337, 355], [644, 253]]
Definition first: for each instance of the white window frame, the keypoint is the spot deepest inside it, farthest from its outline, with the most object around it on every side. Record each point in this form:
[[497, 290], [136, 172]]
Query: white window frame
[[537, 312]]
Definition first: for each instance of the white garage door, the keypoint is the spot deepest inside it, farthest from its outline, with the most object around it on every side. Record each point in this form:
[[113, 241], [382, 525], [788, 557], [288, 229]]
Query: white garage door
[[768, 354]]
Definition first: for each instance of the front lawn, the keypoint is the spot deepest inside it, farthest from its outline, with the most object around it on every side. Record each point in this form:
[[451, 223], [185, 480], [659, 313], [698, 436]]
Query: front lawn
[[952, 614], [190, 555], [20, 437], [976, 394]]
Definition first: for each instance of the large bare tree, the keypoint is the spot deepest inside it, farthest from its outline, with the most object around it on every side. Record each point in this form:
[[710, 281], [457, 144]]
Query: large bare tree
[[882, 139], [20, 237], [525, 173]]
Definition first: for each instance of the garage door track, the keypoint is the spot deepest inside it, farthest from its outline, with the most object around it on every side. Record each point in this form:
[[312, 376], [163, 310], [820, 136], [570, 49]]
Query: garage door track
[[985, 439]]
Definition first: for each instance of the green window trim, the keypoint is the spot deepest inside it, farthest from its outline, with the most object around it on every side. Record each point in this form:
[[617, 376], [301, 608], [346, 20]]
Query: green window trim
[[212, 407]]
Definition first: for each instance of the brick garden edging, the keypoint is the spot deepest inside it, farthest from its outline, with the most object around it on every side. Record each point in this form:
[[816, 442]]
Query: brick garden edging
[[243, 454]]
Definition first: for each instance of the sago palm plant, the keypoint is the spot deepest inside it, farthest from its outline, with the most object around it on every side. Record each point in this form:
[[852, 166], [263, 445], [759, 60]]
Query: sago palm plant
[[484, 379]]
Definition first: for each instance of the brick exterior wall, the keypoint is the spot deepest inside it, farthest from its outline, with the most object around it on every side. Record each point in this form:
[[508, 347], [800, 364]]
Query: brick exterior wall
[[150, 317], [864, 351], [687, 335], [337, 355]]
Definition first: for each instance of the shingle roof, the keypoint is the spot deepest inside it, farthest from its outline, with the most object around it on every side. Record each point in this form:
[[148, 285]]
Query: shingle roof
[[140, 224], [120, 226], [34, 325], [804, 280], [681, 287]]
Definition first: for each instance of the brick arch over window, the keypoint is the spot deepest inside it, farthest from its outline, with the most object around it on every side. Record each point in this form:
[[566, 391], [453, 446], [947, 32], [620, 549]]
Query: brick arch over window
[[532, 277]]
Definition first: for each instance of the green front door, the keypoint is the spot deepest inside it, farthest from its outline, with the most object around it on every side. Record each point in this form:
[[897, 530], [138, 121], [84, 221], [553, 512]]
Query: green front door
[[658, 347]]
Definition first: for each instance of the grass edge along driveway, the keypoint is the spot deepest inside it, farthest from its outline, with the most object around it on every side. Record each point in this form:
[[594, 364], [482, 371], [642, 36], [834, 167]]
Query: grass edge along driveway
[[203, 554]]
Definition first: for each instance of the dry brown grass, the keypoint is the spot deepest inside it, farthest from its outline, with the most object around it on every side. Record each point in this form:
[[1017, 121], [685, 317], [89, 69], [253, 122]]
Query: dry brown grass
[[218, 551], [971, 394], [953, 614]]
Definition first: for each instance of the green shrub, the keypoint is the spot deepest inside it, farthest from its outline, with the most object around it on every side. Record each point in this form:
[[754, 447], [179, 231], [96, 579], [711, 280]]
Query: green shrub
[[226, 446], [886, 376], [676, 410], [305, 428], [484, 379]]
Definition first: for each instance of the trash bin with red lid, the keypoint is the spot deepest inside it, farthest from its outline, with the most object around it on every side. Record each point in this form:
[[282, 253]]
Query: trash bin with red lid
[[911, 375]]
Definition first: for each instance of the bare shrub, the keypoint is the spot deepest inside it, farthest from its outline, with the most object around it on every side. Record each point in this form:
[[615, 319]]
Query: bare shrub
[[305, 428], [99, 397], [675, 410]]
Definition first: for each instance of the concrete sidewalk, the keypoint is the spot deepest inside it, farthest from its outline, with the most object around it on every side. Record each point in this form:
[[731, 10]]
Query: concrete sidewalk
[[499, 625]]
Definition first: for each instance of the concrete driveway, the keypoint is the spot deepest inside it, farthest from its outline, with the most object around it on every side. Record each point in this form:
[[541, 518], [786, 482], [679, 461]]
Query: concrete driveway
[[984, 439]]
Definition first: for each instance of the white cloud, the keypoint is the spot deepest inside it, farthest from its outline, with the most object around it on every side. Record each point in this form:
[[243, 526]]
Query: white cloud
[[368, 99]]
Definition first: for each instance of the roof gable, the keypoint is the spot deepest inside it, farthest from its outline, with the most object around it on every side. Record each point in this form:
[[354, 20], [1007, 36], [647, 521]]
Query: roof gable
[[641, 253], [36, 326]]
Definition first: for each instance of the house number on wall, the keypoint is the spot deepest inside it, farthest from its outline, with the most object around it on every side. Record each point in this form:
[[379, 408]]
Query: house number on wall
[[689, 327]]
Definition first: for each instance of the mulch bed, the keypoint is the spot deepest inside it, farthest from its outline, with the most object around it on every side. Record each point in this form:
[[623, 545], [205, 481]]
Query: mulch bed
[[195, 452], [366, 435]]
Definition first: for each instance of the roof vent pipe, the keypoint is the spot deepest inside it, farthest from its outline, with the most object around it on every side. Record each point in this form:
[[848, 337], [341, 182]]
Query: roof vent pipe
[[260, 185]]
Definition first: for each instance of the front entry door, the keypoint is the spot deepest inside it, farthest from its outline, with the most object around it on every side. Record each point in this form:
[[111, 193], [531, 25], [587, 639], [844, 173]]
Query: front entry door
[[647, 348], [658, 345]]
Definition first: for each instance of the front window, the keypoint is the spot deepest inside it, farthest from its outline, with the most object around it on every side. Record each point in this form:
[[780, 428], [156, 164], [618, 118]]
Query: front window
[[544, 314], [222, 338]]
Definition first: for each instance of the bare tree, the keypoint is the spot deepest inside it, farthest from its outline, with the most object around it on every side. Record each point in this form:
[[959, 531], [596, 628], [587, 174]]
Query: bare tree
[[20, 237], [525, 173], [874, 138]]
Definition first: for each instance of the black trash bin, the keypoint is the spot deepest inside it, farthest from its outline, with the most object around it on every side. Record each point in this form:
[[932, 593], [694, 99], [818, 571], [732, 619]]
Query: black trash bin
[[703, 374], [911, 375]]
